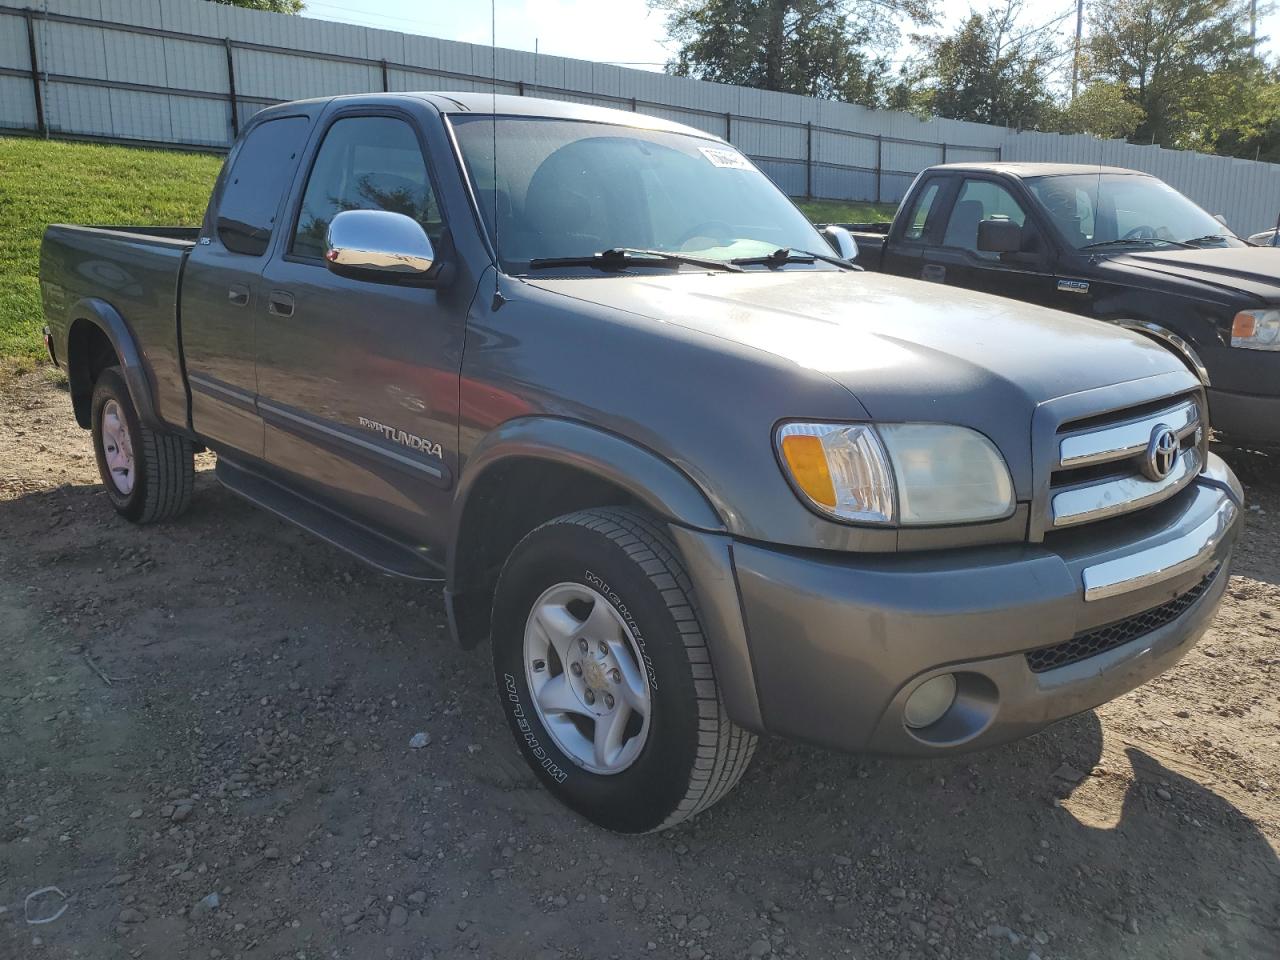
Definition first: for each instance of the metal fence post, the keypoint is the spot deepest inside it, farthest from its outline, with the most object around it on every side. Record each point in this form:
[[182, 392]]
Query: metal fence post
[[879, 164], [728, 127], [386, 86], [808, 159], [41, 125], [231, 89], [944, 153]]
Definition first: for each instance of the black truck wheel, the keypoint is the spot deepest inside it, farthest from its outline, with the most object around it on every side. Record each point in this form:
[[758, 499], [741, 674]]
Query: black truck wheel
[[148, 474], [605, 676]]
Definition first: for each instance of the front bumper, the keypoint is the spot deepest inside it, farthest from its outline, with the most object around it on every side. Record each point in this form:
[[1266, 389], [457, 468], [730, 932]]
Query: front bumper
[[1244, 417], [838, 643]]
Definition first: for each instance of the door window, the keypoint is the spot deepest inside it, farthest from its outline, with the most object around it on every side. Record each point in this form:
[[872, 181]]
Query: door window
[[979, 200], [920, 212], [254, 186], [365, 163]]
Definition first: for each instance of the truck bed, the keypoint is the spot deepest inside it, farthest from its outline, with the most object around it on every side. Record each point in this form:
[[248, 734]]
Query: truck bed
[[135, 270]]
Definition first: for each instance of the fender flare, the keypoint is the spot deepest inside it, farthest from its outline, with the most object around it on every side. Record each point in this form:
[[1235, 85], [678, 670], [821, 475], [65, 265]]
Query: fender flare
[[1166, 337], [107, 319], [645, 475]]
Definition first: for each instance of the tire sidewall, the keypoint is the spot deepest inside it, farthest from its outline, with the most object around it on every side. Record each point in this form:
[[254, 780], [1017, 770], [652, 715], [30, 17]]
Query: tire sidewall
[[111, 386], [641, 797]]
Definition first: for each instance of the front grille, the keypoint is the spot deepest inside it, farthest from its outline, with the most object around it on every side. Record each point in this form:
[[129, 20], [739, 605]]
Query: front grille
[[1085, 645], [1098, 468]]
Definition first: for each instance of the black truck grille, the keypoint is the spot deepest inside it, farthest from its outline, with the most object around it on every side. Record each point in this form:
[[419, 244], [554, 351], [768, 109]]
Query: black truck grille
[[1100, 640]]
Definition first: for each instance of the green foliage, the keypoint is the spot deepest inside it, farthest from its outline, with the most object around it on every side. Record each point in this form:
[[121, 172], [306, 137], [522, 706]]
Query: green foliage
[[991, 69], [270, 6], [43, 182], [818, 48], [1102, 109], [1186, 64], [840, 211]]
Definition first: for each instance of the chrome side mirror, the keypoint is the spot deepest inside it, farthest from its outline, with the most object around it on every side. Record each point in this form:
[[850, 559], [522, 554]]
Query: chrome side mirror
[[841, 241], [378, 245]]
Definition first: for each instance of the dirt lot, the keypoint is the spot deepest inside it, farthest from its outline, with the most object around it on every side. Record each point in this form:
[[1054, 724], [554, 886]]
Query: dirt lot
[[224, 706]]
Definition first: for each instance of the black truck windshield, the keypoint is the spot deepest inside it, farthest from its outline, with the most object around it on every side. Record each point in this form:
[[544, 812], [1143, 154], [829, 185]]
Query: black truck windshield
[[570, 189], [1112, 211]]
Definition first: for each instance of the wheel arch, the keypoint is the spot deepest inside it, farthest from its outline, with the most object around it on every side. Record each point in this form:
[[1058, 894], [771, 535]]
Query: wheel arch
[[1174, 342], [533, 469], [97, 334]]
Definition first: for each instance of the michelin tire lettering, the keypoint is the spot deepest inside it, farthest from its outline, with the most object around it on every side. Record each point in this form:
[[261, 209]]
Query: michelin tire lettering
[[558, 774], [603, 587]]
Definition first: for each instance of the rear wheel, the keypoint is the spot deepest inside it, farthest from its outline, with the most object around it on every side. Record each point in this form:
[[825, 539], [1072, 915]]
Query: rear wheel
[[148, 474], [605, 675]]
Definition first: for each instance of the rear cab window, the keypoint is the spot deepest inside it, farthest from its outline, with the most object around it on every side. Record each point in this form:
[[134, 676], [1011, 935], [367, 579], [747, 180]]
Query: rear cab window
[[254, 187], [920, 210]]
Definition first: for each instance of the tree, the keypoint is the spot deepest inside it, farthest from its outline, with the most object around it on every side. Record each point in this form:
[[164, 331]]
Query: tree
[[818, 48], [991, 69], [1187, 64], [1102, 109], [270, 6]]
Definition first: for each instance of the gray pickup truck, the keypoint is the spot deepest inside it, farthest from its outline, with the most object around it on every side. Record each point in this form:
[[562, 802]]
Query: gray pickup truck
[[695, 476]]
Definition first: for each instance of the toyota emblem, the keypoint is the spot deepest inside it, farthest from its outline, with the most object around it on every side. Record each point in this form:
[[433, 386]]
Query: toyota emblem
[[1162, 452]]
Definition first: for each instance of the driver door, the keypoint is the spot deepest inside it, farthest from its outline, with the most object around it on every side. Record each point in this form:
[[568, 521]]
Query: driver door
[[358, 380]]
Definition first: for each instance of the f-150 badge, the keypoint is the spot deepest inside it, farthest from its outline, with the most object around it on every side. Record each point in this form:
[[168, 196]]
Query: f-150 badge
[[1073, 286], [413, 441]]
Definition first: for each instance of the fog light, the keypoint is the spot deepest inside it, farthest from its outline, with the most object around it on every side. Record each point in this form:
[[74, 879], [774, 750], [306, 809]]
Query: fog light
[[930, 701]]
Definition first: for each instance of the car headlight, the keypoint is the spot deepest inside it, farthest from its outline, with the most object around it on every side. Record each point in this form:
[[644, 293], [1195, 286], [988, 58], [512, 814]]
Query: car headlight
[[1256, 330], [906, 473]]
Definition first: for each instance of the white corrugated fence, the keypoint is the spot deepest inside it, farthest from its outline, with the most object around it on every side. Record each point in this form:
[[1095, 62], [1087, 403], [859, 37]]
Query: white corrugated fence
[[189, 73]]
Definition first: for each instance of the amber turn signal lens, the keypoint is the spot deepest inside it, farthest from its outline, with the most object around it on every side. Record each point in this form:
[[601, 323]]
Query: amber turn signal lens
[[1245, 325], [809, 468]]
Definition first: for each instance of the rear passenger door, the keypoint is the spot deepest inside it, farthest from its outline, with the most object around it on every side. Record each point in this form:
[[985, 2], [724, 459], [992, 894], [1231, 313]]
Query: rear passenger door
[[220, 283], [358, 381], [912, 234], [954, 257]]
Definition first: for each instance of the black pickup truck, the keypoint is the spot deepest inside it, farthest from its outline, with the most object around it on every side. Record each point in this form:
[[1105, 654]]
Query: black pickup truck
[[1105, 242]]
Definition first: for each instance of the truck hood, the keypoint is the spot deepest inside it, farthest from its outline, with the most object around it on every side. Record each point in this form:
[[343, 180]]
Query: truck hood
[[1253, 270], [906, 349], [902, 347]]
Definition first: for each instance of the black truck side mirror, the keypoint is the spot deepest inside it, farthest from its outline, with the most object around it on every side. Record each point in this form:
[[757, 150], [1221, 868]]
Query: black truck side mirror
[[999, 236]]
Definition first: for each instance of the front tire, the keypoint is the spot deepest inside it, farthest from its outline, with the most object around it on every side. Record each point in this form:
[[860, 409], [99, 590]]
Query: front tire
[[605, 676], [148, 474]]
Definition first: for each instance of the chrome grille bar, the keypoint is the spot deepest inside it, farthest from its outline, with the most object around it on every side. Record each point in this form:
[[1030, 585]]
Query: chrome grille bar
[[1107, 498], [1124, 440]]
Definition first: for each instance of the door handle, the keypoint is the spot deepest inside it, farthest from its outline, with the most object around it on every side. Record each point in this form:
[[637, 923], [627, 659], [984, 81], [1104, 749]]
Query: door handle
[[238, 295], [280, 304]]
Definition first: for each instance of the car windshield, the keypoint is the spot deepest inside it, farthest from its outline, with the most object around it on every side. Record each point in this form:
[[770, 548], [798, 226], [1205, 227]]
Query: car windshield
[[566, 189], [1116, 210]]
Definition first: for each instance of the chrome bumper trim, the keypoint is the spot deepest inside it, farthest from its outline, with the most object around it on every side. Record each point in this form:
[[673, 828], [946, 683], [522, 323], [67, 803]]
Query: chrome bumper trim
[[1154, 564]]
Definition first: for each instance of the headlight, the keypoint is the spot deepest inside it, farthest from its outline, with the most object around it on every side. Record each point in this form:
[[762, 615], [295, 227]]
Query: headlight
[[1256, 330], [908, 473]]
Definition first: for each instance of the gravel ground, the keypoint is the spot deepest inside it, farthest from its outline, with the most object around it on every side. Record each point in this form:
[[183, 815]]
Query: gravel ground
[[205, 735]]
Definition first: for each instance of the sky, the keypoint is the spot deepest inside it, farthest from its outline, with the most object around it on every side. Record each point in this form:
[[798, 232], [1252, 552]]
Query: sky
[[625, 32]]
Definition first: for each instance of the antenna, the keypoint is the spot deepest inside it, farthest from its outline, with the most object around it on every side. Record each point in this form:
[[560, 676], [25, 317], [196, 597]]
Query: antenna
[[493, 118]]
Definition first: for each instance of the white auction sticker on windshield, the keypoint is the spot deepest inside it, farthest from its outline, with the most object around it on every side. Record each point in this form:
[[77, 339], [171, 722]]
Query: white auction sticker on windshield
[[730, 159]]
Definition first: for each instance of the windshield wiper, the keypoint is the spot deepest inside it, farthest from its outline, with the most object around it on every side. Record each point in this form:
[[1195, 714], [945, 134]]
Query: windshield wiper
[[789, 255], [619, 258], [1195, 241], [1141, 241]]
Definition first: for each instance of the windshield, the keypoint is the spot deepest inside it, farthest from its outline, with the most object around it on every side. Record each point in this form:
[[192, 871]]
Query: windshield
[[569, 188], [1112, 210]]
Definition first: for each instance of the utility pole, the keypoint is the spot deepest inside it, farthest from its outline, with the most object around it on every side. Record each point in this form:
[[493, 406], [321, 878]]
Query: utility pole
[[1075, 61]]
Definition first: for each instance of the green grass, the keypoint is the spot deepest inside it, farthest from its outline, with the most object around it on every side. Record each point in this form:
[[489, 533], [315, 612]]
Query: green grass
[[840, 211], [43, 182]]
